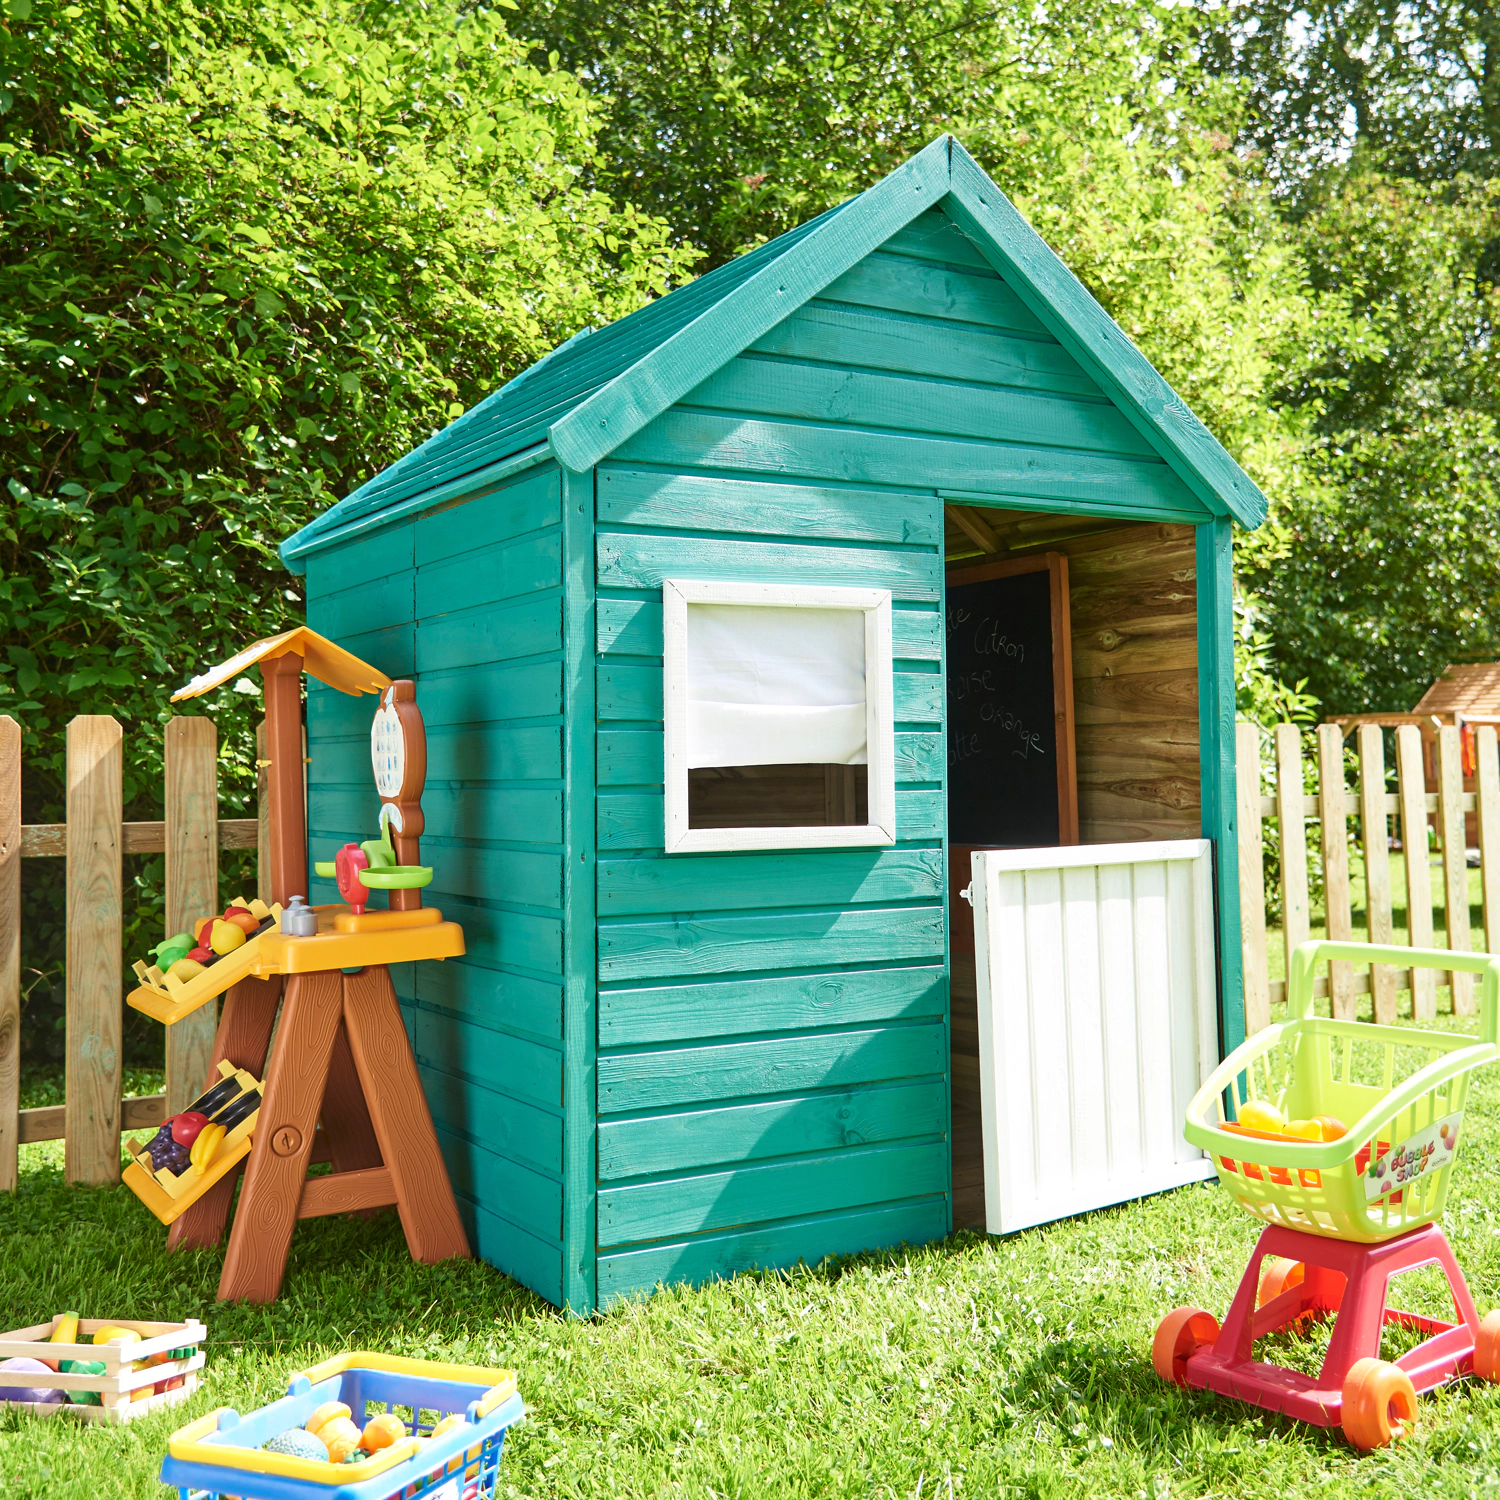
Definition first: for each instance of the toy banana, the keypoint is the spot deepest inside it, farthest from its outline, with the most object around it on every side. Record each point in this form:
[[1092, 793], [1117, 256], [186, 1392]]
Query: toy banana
[[205, 1146]]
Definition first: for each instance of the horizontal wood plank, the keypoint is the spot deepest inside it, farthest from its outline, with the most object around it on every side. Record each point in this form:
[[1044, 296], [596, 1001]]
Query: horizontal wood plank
[[524, 505], [785, 1002], [488, 575], [782, 1127], [532, 1260], [903, 285], [775, 387], [846, 335], [49, 1121], [635, 820], [1082, 483], [642, 561], [772, 1190], [50, 840], [693, 502], [528, 627], [530, 1199], [528, 1070], [491, 997], [707, 1257], [346, 1192], [731, 944], [505, 1124], [740, 882], [632, 627], [777, 1065]]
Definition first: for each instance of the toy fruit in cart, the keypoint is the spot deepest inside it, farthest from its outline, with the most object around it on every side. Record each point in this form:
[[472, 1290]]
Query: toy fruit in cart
[[1347, 1209]]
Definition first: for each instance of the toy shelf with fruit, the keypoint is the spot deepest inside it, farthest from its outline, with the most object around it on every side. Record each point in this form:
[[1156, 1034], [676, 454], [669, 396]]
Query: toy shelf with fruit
[[134, 1369], [189, 971], [344, 939], [194, 1149]]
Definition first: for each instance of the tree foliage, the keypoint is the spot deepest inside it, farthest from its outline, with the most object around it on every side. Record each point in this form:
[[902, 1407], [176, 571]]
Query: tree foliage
[[249, 254]]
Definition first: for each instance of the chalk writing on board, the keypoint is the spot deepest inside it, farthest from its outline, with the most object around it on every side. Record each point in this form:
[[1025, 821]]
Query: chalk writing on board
[[1002, 734]]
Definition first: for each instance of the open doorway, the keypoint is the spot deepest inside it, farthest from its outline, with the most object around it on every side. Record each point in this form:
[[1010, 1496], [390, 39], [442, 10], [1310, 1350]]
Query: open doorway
[[1119, 598]]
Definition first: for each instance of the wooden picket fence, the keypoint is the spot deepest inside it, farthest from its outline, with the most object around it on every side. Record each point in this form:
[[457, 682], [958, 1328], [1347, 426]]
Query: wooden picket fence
[[1412, 809], [93, 841]]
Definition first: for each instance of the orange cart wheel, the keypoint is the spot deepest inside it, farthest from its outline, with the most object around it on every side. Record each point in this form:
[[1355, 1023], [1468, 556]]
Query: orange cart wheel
[[1179, 1336], [1487, 1348], [1279, 1276], [1380, 1404]]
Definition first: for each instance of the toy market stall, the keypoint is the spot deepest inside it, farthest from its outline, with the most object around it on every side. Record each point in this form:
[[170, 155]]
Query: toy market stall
[[341, 1067]]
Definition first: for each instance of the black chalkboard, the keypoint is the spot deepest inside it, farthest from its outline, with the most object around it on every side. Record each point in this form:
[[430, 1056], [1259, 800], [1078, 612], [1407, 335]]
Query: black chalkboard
[[1003, 779]]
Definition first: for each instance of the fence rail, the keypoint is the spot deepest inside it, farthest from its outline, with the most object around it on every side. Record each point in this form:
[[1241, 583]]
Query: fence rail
[[93, 841], [1413, 809]]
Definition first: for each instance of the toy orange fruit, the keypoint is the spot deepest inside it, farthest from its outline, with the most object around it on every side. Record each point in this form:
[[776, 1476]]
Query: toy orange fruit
[[1332, 1126], [201, 929], [342, 1438], [380, 1432], [1257, 1114], [243, 920], [326, 1413]]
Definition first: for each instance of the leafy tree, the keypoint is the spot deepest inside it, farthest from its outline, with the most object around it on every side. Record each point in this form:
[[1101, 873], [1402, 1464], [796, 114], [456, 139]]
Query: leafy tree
[[1414, 84], [1385, 565], [251, 252]]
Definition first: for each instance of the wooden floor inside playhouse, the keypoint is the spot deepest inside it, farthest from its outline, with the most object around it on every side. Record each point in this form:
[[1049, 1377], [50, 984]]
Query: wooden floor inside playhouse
[[1135, 692]]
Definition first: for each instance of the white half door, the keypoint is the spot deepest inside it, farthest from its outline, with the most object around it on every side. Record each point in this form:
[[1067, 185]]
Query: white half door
[[1098, 1021]]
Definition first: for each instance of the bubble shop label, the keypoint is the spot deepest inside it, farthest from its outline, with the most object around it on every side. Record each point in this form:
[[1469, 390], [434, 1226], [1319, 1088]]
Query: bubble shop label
[[1428, 1150]]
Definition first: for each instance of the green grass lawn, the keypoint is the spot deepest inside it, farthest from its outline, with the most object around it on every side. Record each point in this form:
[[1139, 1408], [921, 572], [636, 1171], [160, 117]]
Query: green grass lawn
[[974, 1367]]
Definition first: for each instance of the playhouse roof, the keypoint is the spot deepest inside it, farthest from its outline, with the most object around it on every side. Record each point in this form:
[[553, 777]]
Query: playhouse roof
[[598, 389]]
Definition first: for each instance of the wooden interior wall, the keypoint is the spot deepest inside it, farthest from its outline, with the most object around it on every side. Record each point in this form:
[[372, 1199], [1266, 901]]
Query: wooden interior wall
[[1135, 689]]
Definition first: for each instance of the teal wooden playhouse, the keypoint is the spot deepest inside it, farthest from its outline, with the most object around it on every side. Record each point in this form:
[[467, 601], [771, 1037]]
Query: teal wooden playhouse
[[704, 1019]]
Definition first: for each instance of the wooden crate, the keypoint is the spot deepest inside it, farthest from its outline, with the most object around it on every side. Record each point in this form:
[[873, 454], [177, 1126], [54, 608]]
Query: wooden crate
[[117, 1385]]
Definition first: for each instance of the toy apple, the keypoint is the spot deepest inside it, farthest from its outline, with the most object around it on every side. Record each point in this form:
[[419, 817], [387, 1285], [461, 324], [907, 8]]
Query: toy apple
[[185, 1127]]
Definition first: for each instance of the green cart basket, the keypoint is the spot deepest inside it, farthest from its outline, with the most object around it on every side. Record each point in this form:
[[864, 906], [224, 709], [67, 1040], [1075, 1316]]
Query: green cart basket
[[1399, 1090]]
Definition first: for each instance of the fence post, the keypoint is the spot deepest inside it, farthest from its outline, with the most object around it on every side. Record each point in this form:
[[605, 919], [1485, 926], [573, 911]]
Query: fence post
[[1333, 813], [1487, 785], [10, 952], [1252, 878], [1411, 790], [192, 885], [94, 956], [1375, 842], [1455, 863], [1291, 814]]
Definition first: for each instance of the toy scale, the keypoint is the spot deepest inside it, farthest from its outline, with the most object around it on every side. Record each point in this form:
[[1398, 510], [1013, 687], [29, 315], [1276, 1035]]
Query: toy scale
[[1347, 1207]]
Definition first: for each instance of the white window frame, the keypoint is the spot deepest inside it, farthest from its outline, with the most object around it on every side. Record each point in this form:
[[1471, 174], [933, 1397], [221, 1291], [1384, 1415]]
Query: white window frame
[[880, 737]]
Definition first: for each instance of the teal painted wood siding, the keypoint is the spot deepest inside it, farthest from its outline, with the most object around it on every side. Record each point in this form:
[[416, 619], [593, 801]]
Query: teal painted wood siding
[[772, 1065], [469, 600]]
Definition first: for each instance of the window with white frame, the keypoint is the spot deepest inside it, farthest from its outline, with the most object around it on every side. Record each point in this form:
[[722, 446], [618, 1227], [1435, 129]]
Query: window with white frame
[[779, 716]]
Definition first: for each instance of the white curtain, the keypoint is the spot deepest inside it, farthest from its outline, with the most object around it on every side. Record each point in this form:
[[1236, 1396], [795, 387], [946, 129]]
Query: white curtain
[[773, 686]]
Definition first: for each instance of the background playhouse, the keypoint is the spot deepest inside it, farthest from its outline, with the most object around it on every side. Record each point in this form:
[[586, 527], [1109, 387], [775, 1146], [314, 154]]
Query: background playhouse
[[655, 1065]]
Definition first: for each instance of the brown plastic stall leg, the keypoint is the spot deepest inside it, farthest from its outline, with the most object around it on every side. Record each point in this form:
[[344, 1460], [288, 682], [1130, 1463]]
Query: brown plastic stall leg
[[347, 1130], [403, 1126], [295, 1079], [242, 1038]]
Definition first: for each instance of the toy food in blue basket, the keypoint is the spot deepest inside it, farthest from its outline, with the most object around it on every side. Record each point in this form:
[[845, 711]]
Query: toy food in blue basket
[[356, 1427]]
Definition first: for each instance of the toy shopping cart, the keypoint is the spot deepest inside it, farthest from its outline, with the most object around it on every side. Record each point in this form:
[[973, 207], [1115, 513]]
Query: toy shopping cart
[[1346, 1214], [223, 1454]]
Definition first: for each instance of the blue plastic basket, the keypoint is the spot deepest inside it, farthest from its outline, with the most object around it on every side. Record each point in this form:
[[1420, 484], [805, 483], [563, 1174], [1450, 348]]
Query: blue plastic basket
[[222, 1455]]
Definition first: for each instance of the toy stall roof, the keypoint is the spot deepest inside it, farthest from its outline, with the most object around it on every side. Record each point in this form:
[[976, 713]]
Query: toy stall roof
[[598, 389]]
